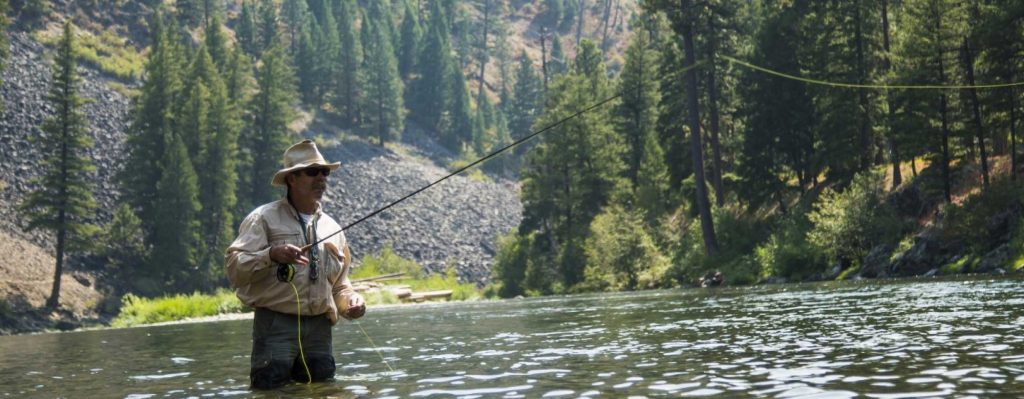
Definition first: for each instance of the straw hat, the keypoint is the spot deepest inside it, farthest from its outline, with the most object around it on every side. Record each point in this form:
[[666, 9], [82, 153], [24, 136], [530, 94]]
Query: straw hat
[[301, 156]]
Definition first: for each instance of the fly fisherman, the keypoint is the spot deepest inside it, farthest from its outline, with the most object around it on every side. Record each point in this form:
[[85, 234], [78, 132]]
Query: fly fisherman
[[293, 290]]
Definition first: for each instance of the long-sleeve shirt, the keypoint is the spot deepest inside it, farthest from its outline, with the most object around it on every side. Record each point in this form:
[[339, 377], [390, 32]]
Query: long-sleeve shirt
[[254, 275]]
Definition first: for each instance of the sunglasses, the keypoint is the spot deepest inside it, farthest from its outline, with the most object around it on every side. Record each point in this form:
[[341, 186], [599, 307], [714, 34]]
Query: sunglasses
[[313, 172]]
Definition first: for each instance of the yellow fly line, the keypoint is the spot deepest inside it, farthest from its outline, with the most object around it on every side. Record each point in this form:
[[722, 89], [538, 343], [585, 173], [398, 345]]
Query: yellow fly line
[[869, 86]]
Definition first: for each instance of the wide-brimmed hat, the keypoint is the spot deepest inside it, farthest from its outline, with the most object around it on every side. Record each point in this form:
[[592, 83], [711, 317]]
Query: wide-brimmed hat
[[301, 156]]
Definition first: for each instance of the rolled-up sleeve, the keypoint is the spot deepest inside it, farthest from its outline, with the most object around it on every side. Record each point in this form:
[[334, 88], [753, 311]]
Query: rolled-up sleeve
[[249, 253]]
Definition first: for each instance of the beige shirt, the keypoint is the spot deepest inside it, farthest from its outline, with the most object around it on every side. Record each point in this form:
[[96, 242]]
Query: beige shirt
[[254, 275]]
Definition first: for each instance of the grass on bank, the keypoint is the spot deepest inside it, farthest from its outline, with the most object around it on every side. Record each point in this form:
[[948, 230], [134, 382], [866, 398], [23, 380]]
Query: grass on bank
[[136, 310], [106, 51]]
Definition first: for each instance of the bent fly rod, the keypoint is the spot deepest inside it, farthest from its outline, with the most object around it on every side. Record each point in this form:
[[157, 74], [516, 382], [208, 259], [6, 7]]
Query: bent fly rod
[[460, 170]]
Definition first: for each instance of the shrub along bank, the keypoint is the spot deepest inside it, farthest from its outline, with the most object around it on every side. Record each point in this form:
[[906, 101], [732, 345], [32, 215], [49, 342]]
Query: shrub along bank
[[137, 310]]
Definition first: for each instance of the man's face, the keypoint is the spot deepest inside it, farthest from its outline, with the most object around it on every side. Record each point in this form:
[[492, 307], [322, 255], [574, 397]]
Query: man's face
[[309, 183]]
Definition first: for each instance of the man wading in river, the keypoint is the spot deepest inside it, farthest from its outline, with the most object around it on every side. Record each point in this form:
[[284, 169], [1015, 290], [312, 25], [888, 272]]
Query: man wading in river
[[293, 291]]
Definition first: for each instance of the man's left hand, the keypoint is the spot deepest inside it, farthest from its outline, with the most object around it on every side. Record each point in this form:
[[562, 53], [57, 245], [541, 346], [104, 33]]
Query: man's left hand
[[356, 307]]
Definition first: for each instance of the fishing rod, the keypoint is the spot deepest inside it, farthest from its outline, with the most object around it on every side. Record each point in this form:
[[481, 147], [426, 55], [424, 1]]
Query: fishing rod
[[481, 160], [460, 170]]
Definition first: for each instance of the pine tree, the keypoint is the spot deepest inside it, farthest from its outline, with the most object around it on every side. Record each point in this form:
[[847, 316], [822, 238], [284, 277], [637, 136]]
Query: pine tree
[[412, 33], [526, 103], [328, 53], [382, 84], [191, 113], [296, 16], [636, 114], [271, 108], [237, 83], [217, 43], [927, 54], [190, 12], [652, 187], [429, 93], [557, 63], [176, 241], [778, 140], [245, 32], [575, 171], [63, 202], [306, 60], [152, 121], [223, 123], [552, 15], [460, 124], [266, 26], [347, 90]]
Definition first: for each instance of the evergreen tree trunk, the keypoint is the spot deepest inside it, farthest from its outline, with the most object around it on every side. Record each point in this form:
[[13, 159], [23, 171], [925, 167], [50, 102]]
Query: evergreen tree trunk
[[976, 109], [716, 148], [945, 146], [579, 21], [54, 300], [543, 59], [1013, 134], [865, 137], [894, 154], [484, 55], [945, 122], [605, 22], [703, 206]]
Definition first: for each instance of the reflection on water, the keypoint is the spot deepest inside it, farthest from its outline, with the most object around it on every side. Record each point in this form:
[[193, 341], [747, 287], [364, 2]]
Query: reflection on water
[[837, 340]]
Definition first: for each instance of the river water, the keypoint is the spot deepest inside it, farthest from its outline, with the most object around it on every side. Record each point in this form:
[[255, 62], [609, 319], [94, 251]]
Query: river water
[[870, 339]]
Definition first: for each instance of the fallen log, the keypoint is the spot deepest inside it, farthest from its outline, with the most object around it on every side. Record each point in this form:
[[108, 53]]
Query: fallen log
[[427, 295]]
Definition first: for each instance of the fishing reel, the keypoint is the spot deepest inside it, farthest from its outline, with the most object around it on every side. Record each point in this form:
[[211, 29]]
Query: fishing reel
[[285, 272]]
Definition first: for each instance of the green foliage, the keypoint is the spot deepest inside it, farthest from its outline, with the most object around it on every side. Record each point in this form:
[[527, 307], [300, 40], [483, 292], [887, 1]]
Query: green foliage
[[621, 255], [848, 224], [176, 229], [123, 244], [970, 221], [245, 31], [347, 83], [108, 52], [787, 252], [474, 173], [388, 262], [273, 109], [411, 36], [429, 94], [151, 122], [511, 264], [384, 106], [139, 310], [738, 235], [34, 10], [574, 172], [1017, 249]]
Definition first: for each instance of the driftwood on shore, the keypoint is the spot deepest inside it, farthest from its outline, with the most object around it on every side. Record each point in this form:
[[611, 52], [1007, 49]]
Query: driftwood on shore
[[402, 291]]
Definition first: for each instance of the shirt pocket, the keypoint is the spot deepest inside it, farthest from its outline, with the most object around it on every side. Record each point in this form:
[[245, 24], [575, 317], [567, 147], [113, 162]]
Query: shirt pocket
[[278, 237], [332, 265]]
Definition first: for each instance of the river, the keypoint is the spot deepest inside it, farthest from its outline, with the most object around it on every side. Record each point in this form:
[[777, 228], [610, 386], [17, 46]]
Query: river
[[869, 339]]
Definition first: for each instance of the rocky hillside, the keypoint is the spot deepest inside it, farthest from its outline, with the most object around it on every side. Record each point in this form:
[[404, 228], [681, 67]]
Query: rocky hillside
[[452, 224]]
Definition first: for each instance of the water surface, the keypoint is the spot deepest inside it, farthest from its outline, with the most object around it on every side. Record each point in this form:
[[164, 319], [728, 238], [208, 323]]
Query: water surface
[[866, 339]]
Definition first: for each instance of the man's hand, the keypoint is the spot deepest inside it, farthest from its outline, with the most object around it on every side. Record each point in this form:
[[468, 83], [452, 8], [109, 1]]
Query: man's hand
[[288, 253], [356, 307]]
